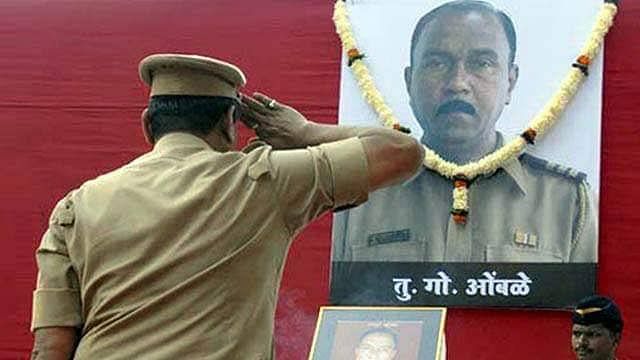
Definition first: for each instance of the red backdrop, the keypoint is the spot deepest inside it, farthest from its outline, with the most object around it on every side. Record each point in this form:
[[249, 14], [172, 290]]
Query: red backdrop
[[69, 108]]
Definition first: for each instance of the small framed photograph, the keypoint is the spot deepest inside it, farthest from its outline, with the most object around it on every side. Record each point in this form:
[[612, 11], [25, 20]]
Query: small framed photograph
[[408, 333]]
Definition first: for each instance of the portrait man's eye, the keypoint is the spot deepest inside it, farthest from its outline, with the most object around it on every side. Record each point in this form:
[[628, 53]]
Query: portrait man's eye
[[482, 65], [436, 63]]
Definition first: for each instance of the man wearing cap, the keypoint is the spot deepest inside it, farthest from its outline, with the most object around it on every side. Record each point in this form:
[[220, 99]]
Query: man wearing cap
[[597, 328], [460, 78], [179, 254]]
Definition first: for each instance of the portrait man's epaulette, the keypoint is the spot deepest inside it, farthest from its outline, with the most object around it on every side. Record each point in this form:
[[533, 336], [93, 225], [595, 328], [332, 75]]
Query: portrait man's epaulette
[[553, 168], [578, 177]]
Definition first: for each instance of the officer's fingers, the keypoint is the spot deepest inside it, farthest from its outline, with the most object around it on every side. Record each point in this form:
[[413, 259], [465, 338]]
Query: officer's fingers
[[247, 116], [261, 116], [252, 105], [256, 115], [264, 99], [249, 123], [258, 121], [269, 102], [246, 111]]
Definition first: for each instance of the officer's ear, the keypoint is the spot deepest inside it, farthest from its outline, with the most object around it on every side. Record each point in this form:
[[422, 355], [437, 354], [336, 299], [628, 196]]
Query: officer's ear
[[146, 126], [226, 127], [514, 72]]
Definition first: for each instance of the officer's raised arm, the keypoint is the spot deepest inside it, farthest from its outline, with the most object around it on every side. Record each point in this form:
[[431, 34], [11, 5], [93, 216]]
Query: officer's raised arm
[[391, 155]]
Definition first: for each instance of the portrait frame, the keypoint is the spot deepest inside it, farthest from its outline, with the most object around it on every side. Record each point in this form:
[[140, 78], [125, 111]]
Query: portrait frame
[[499, 280], [418, 332]]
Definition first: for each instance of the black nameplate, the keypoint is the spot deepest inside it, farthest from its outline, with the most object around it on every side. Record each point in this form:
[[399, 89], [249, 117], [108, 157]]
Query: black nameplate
[[538, 285], [389, 237]]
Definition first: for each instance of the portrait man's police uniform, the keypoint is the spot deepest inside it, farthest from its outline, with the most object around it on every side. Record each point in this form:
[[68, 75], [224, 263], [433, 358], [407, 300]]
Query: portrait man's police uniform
[[461, 76]]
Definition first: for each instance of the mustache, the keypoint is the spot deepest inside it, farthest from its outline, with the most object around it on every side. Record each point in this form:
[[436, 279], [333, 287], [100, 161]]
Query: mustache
[[456, 106]]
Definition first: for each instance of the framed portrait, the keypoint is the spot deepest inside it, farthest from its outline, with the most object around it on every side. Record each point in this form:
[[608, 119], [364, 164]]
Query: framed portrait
[[466, 77], [359, 333]]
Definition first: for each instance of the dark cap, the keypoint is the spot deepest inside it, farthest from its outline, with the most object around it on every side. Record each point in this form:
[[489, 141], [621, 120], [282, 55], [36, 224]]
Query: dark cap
[[598, 310]]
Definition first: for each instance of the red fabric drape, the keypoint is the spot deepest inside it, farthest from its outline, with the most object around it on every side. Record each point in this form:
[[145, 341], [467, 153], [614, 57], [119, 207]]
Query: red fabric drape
[[69, 108]]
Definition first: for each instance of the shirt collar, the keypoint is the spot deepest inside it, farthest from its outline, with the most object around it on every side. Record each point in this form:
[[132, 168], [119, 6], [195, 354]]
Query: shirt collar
[[179, 143], [513, 168]]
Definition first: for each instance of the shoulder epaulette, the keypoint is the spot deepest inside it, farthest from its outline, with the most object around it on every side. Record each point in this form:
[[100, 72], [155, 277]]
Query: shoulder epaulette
[[554, 168], [63, 213]]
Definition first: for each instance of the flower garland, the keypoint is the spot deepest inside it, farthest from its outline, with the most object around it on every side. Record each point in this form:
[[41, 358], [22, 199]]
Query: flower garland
[[539, 125]]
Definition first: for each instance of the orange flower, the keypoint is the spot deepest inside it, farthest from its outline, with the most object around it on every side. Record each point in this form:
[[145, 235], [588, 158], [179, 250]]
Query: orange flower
[[584, 60], [582, 63], [352, 53], [460, 219], [460, 181], [529, 136], [401, 128], [460, 184]]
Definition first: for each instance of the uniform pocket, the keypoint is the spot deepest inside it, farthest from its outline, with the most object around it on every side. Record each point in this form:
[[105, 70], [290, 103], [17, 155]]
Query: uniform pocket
[[397, 251]]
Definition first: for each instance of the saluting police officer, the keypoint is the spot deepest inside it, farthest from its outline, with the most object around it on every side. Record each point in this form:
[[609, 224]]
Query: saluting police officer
[[179, 254]]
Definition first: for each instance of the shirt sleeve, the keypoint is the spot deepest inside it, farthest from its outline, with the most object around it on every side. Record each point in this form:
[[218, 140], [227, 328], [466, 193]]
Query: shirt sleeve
[[56, 299], [585, 237], [313, 180]]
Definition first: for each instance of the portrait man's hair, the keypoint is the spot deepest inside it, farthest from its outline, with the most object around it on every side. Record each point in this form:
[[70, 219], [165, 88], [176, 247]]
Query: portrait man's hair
[[467, 6]]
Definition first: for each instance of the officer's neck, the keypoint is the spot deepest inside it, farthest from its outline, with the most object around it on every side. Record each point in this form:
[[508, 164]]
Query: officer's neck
[[463, 152], [222, 138]]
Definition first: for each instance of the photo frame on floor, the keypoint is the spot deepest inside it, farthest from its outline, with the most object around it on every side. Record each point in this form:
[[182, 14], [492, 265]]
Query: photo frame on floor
[[406, 333]]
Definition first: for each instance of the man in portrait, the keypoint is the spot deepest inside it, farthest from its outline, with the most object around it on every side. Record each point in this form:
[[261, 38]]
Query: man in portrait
[[461, 76], [379, 343]]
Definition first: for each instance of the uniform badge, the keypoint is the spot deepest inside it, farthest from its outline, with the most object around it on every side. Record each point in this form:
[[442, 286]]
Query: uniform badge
[[525, 239]]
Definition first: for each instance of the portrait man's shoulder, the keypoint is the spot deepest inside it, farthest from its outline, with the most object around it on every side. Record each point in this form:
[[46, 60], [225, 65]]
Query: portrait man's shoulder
[[548, 171], [545, 168]]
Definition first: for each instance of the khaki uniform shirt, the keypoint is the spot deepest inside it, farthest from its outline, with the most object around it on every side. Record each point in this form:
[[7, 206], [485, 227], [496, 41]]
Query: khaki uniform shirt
[[528, 211], [179, 254]]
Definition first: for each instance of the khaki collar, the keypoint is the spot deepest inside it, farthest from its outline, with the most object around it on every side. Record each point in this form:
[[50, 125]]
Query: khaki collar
[[513, 168], [177, 143]]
